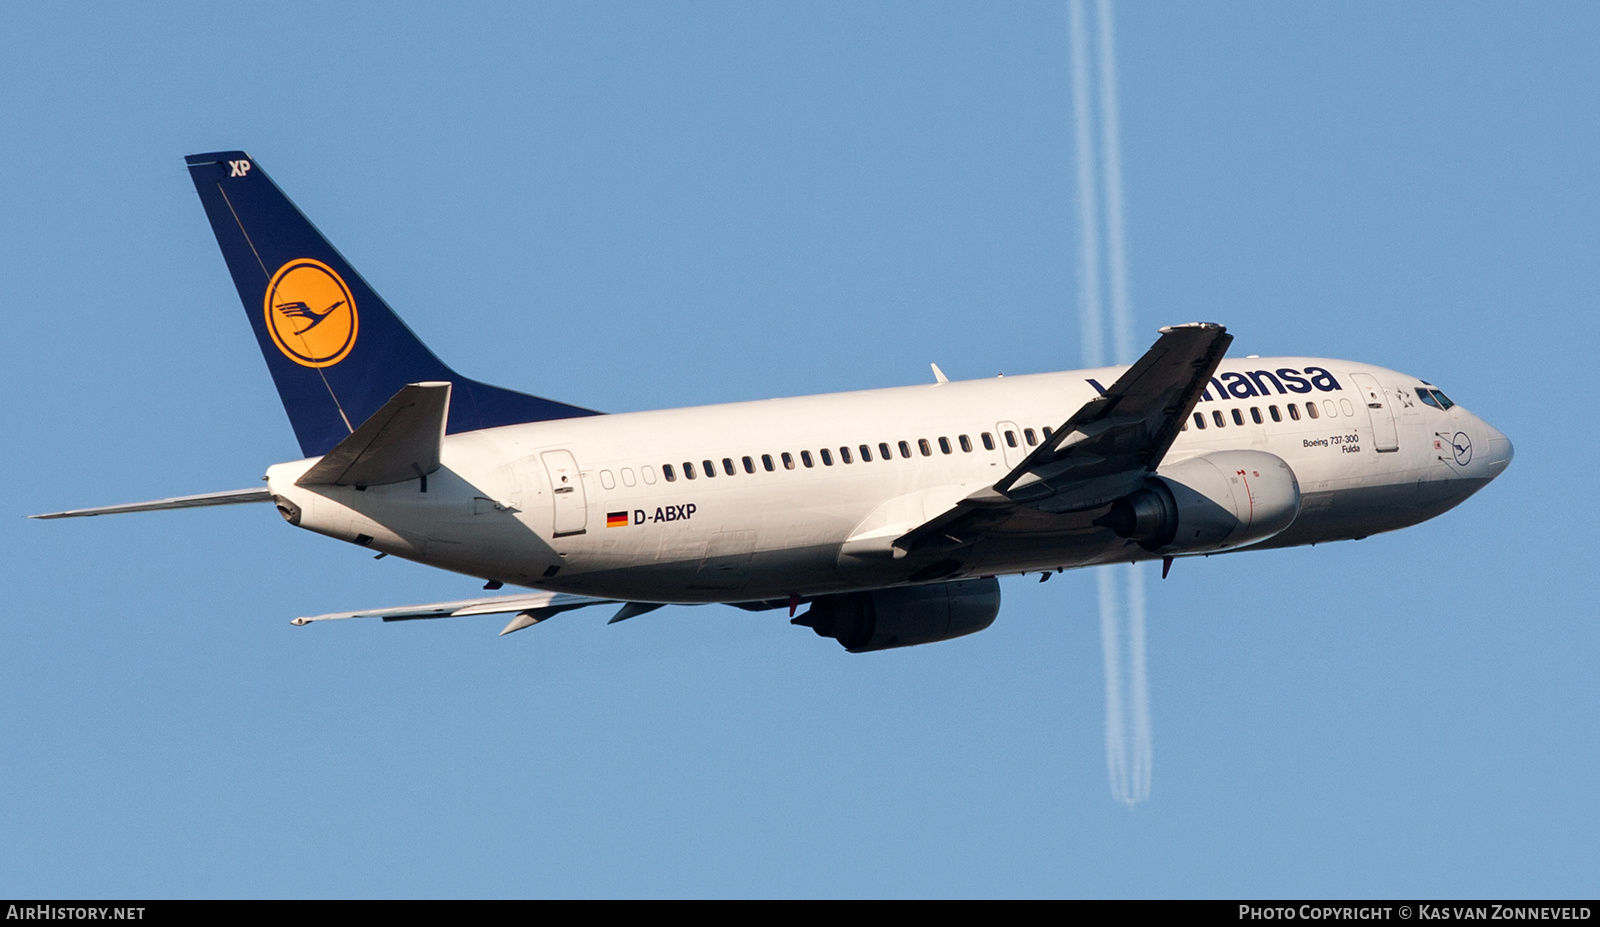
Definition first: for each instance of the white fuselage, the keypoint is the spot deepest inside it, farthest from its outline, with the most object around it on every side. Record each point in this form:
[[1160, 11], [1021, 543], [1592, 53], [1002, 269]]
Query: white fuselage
[[622, 506]]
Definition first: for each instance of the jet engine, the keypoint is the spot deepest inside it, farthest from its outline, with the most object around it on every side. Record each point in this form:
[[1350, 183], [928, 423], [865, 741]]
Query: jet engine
[[1209, 503], [885, 618]]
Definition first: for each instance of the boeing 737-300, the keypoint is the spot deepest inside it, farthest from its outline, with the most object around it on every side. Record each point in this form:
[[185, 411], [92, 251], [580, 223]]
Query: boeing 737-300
[[888, 513]]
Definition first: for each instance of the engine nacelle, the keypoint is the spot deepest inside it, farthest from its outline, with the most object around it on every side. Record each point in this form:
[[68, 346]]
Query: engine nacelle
[[1212, 502], [901, 617]]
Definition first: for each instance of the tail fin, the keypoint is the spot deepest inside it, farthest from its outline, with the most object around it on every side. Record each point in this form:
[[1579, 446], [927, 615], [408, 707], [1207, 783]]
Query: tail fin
[[336, 350]]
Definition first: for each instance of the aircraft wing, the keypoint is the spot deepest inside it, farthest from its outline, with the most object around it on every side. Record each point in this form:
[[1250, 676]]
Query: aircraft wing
[[1104, 451], [531, 608]]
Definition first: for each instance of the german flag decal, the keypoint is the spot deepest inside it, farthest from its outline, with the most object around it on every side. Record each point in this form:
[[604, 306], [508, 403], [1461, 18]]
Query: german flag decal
[[616, 519]]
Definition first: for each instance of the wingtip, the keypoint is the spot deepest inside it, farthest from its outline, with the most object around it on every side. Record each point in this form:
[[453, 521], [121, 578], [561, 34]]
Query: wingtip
[[1203, 326]]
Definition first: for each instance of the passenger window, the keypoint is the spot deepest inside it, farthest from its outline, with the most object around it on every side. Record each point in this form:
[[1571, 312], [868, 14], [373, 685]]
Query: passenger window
[[1216, 416], [925, 447], [805, 458], [988, 441], [788, 460], [883, 450], [1255, 415], [1011, 438], [711, 468], [966, 443], [1048, 431], [1238, 417], [1200, 421], [866, 454], [844, 455], [666, 471], [607, 480], [766, 461], [944, 445], [688, 470], [627, 476], [827, 457], [1027, 435], [1184, 426], [727, 466], [1311, 409], [1276, 415], [749, 465], [1294, 412], [1347, 407], [649, 474]]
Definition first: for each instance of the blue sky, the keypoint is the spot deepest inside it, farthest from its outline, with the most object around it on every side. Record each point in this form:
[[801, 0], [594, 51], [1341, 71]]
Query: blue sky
[[633, 206]]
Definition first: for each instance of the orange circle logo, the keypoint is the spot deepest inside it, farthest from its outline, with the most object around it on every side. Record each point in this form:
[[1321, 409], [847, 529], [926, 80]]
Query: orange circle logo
[[310, 313]]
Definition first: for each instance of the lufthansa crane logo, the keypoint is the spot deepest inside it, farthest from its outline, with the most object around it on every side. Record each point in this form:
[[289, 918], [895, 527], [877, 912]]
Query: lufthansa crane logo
[[311, 314], [1462, 445]]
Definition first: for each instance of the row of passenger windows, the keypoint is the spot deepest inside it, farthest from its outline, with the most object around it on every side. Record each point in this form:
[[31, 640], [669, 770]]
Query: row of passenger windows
[[847, 455], [885, 451], [1293, 409]]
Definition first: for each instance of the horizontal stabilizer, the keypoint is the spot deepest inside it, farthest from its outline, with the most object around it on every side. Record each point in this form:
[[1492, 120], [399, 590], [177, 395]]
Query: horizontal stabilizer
[[231, 497], [399, 442], [531, 609]]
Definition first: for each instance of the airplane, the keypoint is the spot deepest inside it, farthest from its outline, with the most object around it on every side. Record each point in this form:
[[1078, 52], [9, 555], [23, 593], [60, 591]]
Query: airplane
[[889, 513]]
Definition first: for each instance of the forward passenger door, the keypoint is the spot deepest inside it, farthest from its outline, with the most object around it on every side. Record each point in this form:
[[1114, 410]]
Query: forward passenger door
[[1385, 436]]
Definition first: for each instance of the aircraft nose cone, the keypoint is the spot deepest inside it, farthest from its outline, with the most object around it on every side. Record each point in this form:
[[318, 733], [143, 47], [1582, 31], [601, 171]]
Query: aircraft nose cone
[[1499, 453]]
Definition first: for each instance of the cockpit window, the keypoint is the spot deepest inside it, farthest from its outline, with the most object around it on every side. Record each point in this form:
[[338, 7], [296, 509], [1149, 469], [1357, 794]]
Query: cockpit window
[[1426, 395], [1444, 401]]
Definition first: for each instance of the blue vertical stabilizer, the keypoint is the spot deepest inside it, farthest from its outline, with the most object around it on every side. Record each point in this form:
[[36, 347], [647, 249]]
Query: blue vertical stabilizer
[[336, 350]]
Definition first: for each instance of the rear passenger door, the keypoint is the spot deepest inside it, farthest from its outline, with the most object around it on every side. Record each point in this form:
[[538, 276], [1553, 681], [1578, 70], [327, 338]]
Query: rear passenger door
[[566, 486]]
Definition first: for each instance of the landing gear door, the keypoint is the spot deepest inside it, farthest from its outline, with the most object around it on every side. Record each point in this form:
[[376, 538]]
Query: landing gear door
[[1385, 437], [566, 487]]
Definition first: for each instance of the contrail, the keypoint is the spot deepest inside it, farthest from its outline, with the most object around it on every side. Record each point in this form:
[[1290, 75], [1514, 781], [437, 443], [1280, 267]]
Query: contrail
[[1116, 239], [1116, 724], [1088, 209], [1143, 746], [1129, 775], [1122, 328]]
